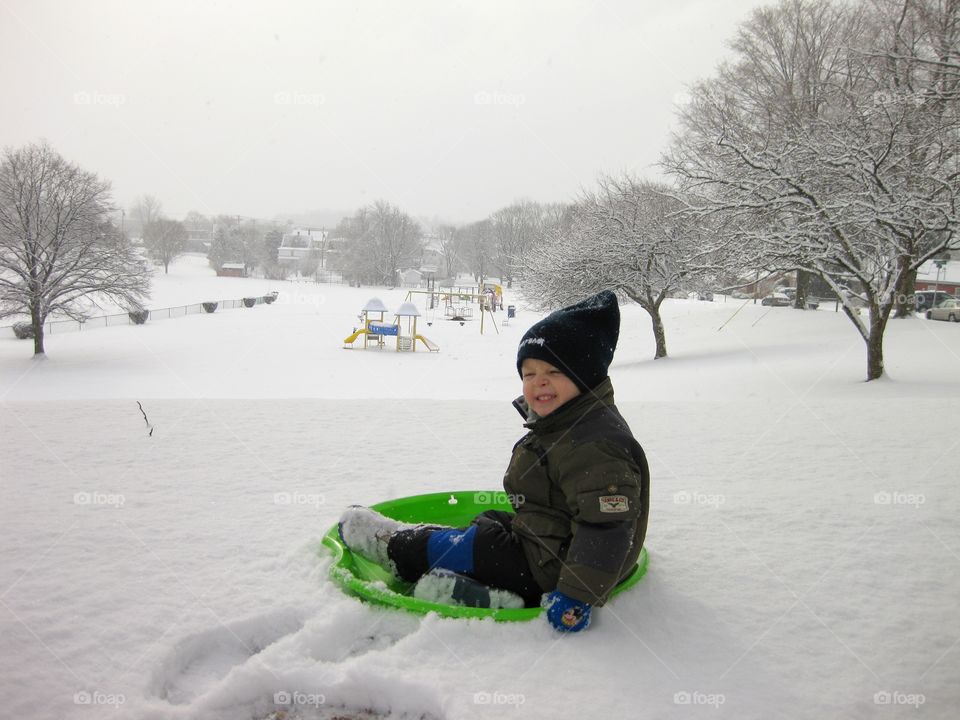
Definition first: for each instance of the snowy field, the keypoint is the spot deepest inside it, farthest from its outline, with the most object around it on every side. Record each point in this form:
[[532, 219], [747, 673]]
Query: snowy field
[[804, 544]]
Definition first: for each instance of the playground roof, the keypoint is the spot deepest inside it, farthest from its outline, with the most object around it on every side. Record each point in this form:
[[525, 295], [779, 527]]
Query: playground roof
[[407, 309], [375, 305]]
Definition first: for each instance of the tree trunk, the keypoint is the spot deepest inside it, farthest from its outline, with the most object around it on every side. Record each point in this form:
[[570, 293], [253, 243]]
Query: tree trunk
[[878, 324], [37, 332], [905, 290], [166, 267], [803, 282], [652, 306], [659, 333]]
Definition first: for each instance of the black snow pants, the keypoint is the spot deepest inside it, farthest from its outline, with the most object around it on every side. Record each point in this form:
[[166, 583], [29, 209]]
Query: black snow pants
[[498, 559]]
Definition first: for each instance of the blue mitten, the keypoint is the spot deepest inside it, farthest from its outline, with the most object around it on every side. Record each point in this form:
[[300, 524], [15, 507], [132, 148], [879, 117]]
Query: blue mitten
[[565, 613]]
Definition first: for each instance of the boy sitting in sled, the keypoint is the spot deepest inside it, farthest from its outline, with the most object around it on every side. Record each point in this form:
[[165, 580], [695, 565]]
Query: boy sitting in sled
[[578, 482]]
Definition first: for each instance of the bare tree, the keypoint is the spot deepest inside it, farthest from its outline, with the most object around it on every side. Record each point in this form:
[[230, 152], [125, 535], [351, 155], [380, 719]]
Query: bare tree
[[451, 240], [146, 209], [479, 248], [628, 236], [59, 251], [379, 239], [354, 260], [860, 193], [515, 229], [164, 240], [396, 240]]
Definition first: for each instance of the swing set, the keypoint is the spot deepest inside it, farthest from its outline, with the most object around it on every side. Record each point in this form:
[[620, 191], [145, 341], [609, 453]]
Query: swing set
[[458, 305]]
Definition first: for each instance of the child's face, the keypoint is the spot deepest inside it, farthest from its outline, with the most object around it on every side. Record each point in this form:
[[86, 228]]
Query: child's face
[[545, 388]]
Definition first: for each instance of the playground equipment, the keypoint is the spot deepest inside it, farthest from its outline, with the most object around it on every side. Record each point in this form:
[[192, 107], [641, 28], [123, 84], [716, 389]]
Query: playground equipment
[[458, 303], [374, 330]]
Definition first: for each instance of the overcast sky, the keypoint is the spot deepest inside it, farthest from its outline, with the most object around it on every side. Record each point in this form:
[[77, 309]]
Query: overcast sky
[[447, 109]]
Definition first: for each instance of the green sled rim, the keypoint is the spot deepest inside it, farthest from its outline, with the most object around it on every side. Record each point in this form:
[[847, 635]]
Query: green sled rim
[[368, 581]]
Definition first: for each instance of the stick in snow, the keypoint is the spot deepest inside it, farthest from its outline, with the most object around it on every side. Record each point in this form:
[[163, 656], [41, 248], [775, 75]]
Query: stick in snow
[[150, 434]]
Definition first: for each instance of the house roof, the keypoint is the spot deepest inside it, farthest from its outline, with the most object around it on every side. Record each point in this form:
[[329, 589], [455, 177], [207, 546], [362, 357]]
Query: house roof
[[949, 273], [303, 238], [432, 244]]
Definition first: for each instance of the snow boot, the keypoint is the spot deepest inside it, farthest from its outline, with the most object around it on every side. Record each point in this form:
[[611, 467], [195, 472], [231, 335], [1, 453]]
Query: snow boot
[[450, 588], [368, 533]]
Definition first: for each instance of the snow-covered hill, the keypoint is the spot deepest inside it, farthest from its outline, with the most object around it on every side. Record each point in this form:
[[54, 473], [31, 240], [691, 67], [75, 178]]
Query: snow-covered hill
[[805, 554]]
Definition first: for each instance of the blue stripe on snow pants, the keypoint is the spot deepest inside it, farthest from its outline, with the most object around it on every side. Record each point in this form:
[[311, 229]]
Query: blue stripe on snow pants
[[487, 550], [452, 549]]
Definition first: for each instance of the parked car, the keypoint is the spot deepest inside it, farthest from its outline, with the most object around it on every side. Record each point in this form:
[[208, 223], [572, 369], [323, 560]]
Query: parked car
[[926, 299], [776, 300], [947, 310], [790, 292]]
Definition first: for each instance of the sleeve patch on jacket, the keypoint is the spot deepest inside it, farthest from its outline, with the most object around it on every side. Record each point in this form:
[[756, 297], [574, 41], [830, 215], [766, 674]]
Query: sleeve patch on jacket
[[614, 503]]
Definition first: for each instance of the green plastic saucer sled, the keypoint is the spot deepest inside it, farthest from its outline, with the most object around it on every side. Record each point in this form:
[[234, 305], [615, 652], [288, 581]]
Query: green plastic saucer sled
[[368, 581]]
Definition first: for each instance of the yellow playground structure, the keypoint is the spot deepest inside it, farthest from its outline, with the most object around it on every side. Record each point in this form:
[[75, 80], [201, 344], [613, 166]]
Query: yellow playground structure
[[374, 330]]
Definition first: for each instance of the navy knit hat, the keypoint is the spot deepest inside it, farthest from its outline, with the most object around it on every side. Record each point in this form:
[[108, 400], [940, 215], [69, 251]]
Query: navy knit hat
[[579, 339]]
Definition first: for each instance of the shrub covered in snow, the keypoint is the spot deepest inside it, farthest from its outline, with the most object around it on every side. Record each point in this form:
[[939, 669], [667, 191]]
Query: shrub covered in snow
[[210, 307], [23, 330], [138, 317]]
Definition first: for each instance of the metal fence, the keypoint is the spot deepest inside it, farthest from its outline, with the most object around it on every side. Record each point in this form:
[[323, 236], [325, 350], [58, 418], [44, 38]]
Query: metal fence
[[58, 327]]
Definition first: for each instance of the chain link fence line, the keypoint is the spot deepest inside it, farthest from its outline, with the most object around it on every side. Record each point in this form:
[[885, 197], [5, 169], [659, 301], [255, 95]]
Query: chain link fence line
[[58, 327]]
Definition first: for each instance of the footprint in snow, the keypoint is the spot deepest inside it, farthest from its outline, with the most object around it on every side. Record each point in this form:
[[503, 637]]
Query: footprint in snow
[[349, 633], [198, 661]]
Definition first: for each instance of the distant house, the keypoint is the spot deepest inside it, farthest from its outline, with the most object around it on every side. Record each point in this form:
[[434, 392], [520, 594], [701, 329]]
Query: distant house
[[410, 278], [946, 278], [298, 244], [432, 256], [232, 270]]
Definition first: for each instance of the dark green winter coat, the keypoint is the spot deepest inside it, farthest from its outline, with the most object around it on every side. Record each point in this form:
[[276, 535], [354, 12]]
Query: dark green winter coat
[[579, 484]]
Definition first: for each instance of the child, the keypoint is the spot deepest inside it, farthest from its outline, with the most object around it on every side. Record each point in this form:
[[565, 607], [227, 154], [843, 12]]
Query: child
[[578, 482]]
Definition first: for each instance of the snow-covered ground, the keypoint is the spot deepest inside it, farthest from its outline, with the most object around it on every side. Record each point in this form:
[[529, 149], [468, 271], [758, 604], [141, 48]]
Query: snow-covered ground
[[804, 544]]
